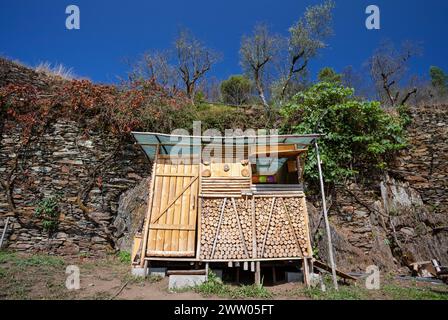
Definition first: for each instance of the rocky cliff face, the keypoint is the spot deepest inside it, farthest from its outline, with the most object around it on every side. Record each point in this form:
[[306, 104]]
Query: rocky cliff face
[[401, 218]]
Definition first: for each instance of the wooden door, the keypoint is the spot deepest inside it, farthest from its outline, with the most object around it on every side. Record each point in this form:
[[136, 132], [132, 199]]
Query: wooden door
[[172, 228]]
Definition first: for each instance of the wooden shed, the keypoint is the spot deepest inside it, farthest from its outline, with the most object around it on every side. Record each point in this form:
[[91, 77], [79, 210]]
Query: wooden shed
[[225, 199]]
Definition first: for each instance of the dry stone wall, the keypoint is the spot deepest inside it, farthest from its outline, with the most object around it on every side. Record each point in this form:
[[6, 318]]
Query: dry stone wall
[[72, 163]]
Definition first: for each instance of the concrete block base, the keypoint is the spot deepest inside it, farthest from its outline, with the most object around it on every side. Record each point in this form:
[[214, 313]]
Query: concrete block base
[[315, 280], [139, 272], [157, 272], [184, 281]]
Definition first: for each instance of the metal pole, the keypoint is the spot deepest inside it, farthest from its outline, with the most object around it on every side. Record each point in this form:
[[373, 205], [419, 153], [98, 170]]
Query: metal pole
[[327, 224]]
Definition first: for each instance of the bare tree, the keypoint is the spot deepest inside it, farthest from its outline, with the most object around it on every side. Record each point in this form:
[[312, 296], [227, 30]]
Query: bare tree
[[388, 67], [355, 79], [306, 38], [256, 52], [211, 89], [194, 60], [157, 66]]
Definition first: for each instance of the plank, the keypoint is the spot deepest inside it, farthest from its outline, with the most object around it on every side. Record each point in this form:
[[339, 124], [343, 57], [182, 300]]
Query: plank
[[172, 227], [175, 174], [307, 226], [161, 253], [183, 235], [167, 244], [187, 272], [193, 208], [161, 218], [324, 266], [146, 231], [177, 208]]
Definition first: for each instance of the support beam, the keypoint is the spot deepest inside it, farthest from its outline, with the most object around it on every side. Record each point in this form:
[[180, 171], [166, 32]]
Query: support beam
[[257, 273], [306, 272], [5, 229], [327, 223]]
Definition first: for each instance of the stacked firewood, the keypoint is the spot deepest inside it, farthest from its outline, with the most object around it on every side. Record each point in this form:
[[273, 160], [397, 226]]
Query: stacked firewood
[[286, 235], [280, 234], [235, 234]]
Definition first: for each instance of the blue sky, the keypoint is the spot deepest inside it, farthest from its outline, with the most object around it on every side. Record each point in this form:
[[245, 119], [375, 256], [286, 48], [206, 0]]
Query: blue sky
[[111, 30]]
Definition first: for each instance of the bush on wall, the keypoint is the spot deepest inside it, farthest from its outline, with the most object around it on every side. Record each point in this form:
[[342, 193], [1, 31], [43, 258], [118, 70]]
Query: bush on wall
[[359, 135]]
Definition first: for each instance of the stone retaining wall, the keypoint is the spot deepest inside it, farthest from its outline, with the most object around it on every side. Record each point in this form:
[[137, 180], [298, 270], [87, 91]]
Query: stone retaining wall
[[65, 160]]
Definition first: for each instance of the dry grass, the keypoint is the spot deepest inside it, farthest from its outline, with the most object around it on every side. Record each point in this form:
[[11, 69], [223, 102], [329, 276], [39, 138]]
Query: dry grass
[[55, 70]]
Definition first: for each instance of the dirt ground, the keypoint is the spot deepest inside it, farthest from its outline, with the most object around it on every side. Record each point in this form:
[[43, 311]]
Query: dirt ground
[[43, 277]]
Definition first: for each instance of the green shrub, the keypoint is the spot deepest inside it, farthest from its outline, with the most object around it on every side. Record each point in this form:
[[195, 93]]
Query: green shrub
[[124, 256], [215, 286], [48, 211], [236, 90], [360, 137]]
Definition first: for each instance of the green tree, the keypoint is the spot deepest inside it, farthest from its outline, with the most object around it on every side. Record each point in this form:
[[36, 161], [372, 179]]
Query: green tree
[[328, 74], [359, 135], [306, 38], [439, 79], [236, 90]]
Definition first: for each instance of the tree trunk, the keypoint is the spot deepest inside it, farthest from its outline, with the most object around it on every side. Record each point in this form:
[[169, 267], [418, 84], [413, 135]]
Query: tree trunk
[[261, 91]]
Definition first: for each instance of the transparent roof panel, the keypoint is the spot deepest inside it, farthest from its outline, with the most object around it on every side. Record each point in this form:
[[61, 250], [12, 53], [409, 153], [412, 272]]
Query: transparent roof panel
[[192, 144]]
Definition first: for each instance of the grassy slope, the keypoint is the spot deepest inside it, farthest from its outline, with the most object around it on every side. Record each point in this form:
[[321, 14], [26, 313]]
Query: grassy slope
[[43, 277]]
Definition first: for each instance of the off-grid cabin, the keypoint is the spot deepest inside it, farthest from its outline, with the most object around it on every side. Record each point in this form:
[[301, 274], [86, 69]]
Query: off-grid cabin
[[225, 199]]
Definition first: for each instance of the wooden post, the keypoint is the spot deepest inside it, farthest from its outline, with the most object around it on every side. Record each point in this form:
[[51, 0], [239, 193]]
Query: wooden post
[[327, 224], [149, 210], [306, 272], [145, 268], [257, 273], [5, 228], [206, 271]]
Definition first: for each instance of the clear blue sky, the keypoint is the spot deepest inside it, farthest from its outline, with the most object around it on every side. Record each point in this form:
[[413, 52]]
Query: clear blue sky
[[111, 30]]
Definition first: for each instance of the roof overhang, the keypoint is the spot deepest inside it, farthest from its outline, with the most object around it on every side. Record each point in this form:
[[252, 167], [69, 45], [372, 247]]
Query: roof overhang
[[149, 141]]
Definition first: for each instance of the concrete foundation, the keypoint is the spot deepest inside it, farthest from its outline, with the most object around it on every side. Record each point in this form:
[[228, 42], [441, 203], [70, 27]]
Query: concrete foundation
[[184, 281], [157, 272], [139, 272]]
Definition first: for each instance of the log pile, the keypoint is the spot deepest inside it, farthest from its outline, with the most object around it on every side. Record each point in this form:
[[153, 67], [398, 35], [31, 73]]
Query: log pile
[[226, 232], [287, 233], [232, 230]]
